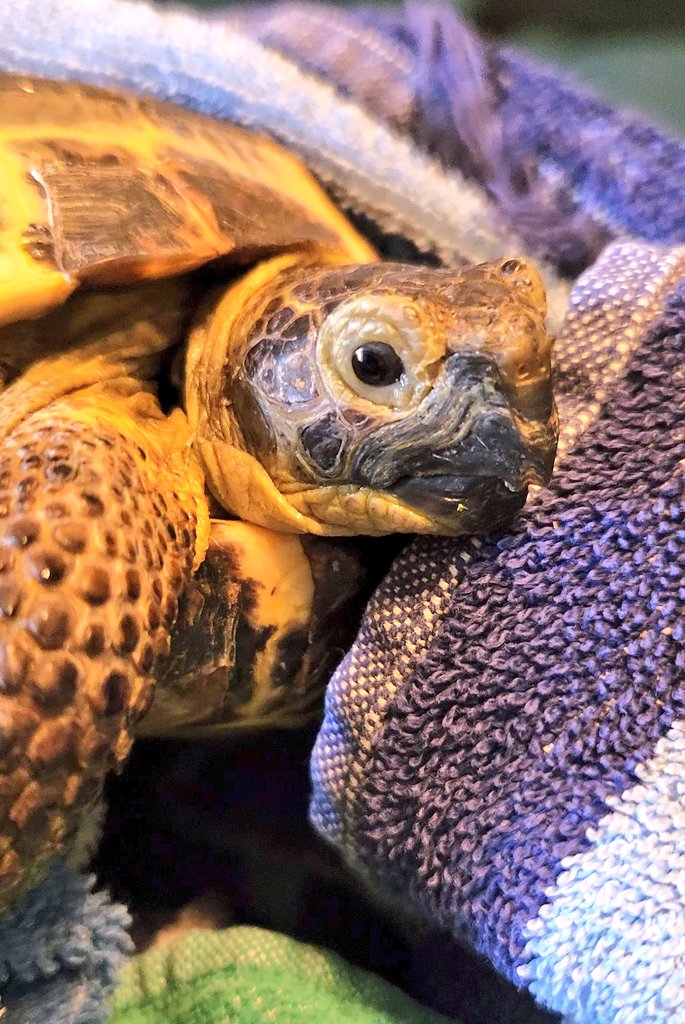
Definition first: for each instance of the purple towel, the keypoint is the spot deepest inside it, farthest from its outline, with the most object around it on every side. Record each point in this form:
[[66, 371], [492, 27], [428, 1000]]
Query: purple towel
[[504, 744], [568, 171]]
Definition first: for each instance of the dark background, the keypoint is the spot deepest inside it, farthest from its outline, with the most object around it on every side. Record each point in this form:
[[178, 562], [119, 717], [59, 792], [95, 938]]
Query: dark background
[[633, 51]]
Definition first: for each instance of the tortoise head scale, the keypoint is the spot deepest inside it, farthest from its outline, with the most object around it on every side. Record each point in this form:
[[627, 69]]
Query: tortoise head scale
[[374, 398]]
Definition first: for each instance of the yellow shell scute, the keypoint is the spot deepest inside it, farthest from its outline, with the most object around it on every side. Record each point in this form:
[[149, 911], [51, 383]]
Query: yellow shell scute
[[112, 188], [28, 286]]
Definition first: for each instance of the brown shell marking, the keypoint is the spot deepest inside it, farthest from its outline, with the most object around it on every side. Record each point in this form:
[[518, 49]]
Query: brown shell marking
[[93, 559], [109, 187]]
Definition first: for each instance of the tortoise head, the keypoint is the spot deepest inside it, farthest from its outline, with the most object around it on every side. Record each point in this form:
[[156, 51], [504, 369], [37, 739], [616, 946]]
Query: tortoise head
[[378, 398]]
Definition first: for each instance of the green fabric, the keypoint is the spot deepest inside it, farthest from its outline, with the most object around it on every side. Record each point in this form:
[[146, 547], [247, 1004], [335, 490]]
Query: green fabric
[[247, 975]]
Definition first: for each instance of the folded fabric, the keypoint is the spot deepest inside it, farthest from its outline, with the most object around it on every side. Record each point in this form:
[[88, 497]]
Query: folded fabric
[[60, 952], [251, 976], [566, 172]]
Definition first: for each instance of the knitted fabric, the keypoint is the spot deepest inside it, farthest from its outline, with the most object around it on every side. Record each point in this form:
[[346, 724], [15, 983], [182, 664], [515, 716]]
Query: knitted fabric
[[251, 976]]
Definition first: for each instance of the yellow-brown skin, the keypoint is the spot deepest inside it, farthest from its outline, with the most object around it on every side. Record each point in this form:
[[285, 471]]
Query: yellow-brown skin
[[483, 311], [103, 514], [238, 480]]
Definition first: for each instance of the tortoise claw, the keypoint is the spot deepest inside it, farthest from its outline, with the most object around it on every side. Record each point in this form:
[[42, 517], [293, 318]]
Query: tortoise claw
[[95, 548]]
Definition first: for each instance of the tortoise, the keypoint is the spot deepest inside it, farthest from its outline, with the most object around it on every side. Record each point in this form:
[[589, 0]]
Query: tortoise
[[202, 362]]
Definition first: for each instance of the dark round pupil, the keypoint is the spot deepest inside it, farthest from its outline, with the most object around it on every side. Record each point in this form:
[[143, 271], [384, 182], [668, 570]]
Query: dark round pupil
[[377, 364]]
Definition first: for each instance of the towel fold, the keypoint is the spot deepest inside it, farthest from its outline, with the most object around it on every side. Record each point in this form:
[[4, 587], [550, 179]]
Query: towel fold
[[565, 170]]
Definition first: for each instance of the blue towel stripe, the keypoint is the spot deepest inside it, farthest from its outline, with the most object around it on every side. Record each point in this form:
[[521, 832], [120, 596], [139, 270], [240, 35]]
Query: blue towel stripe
[[584, 173], [609, 945], [60, 952], [361, 690]]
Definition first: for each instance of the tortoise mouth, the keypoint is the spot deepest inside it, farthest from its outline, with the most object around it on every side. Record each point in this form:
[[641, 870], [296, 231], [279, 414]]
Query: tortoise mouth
[[464, 504]]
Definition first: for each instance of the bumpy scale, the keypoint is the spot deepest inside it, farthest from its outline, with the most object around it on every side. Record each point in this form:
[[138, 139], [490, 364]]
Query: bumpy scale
[[86, 603]]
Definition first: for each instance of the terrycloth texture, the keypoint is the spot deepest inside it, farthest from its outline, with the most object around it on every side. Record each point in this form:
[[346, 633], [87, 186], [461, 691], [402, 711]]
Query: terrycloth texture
[[252, 976], [503, 743], [60, 952]]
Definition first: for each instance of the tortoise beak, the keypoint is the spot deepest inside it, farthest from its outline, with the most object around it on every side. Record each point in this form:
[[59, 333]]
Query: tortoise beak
[[479, 483]]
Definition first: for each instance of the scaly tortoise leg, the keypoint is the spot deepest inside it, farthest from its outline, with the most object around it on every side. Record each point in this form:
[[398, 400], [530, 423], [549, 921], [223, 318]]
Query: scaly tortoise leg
[[259, 629], [102, 523]]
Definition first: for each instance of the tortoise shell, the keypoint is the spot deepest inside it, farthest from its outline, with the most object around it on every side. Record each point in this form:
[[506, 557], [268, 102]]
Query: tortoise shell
[[110, 188]]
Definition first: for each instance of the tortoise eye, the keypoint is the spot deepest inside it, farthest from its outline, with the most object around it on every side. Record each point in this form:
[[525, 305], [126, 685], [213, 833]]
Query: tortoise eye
[[377, 364]]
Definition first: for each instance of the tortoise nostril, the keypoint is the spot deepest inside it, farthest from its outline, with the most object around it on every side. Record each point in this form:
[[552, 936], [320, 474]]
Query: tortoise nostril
[[512, 266]]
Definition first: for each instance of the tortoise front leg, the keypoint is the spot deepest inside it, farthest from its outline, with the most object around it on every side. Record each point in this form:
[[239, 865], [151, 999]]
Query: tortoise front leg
[[259, 629], [102, 523]]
